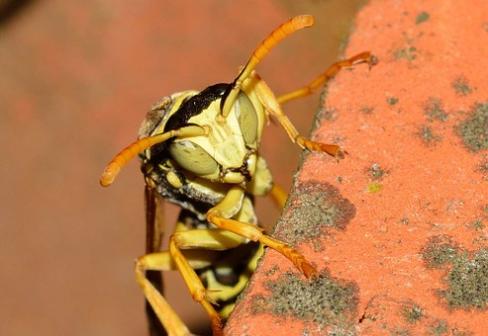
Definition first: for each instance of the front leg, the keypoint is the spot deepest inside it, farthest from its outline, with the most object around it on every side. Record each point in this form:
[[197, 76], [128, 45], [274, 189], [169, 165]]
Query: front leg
[[273, 108], [172, 323], [330, 72]]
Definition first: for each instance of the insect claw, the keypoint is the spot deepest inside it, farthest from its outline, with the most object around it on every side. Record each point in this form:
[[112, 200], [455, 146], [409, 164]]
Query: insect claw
[[304, 266], [341, 154], [309, 270], [372, 61]]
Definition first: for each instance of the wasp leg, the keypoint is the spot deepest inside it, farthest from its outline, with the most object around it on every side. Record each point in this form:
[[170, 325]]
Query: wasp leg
[[319, 81], [278, 195], [214, 239], [209, 239], [163, 261], [168, 317], [217, 216], [254, 233], [267, 98]]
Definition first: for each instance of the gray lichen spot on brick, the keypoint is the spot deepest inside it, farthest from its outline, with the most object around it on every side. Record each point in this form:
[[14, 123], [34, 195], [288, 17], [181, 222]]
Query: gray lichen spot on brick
[[474, 130], [426, 133], [409, 53], [367, 109], [440, 327], [434, 110], [327, 114], [259, 304], [392, 100], [323, 300], [477, 224], [483, 169], [341, 331], [468, 281], [439, 250], [412, 313], [375, 172], [461, 86], [466, 273], [315, 207], [422, 17], [399, 331]]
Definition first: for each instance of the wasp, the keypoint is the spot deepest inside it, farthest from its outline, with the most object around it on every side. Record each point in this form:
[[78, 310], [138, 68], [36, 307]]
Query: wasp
[[200, 150]]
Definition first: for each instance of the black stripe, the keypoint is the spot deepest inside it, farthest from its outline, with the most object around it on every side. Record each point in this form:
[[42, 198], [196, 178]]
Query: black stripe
[[195, 105]]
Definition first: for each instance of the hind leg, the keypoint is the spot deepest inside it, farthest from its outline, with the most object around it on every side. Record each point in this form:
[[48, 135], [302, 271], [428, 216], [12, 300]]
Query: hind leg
[[174, 259], [165, 313]]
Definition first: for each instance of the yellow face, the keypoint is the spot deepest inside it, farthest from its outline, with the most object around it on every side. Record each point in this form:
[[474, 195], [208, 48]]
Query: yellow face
[[228, 153]]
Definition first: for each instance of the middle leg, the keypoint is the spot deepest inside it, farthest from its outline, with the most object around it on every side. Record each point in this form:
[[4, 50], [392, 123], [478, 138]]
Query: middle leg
[[278, 195], [211, 239], [217, 216]]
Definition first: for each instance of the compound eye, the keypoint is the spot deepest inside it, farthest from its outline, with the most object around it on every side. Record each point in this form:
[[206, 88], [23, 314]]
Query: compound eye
[[193, 158], [248, 119]]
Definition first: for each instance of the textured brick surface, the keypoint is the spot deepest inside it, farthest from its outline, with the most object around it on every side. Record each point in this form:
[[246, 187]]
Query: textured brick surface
[[410, 254], [77, 79]]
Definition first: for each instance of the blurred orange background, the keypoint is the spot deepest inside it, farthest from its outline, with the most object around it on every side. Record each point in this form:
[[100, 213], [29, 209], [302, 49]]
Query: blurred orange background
[[76, 81]]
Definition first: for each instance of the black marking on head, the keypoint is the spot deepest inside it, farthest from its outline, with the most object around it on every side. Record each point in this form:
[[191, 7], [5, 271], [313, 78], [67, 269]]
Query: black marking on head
[[190, 107], [195, 105]]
